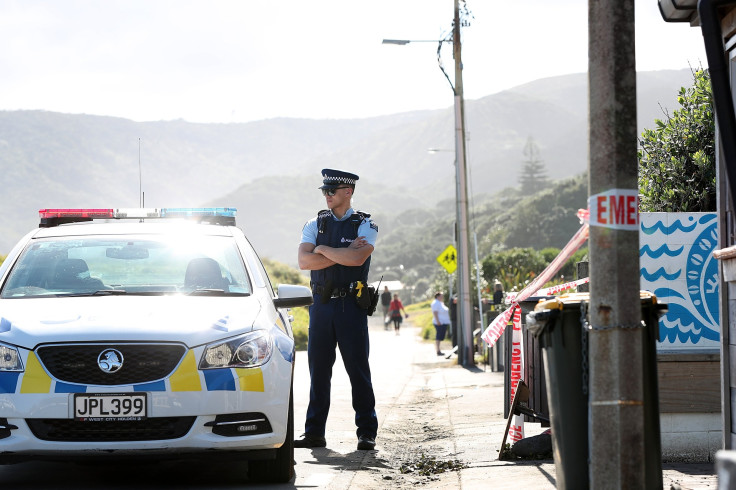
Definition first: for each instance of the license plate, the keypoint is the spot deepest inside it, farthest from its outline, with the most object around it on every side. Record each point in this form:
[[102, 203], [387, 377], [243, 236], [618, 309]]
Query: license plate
[[103, 407]]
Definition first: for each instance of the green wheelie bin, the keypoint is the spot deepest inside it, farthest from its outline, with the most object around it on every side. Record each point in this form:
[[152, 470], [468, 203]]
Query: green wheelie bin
[[562, 328]]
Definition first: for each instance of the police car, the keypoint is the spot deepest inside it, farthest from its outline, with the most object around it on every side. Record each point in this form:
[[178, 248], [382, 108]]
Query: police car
[[156, 332]]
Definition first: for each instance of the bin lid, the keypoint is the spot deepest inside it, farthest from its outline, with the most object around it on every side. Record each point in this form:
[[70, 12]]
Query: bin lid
[[528, 304], [574, 299]]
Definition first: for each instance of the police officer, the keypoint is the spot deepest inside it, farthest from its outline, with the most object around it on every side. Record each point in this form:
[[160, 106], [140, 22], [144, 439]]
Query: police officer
[[336, 246]]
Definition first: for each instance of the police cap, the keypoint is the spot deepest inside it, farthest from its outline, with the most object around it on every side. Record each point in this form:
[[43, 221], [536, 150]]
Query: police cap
[[332, 178]]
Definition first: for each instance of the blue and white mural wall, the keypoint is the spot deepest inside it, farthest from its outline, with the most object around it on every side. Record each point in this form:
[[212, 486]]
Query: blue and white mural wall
[[676, 263]]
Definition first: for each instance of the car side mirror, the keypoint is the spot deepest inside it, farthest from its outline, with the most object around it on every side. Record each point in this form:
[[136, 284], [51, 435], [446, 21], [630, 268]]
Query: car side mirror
[[290, 296]]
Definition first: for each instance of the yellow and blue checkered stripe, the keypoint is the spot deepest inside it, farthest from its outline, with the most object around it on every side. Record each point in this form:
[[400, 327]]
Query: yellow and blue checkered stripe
[[186, 378]]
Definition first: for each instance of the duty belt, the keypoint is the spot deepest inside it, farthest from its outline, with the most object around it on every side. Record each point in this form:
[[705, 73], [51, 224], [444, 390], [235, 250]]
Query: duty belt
[[336, 292]]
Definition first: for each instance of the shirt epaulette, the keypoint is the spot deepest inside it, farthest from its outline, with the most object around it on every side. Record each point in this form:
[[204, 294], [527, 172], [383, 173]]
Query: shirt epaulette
[[356, 218], [321, 219]]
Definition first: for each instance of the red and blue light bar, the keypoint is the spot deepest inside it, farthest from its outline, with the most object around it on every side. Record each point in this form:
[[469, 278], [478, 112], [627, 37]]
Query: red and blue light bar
[[55, 217]]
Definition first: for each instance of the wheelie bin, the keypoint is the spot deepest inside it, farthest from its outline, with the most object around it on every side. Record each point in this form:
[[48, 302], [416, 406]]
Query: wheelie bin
[[562, 328]]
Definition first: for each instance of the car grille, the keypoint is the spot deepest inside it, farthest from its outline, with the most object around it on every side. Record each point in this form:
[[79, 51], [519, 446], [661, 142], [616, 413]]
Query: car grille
[[151, 429], [142, 363]]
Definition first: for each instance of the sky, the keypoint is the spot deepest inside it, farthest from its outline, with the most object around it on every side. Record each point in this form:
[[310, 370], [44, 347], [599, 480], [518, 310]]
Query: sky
[[224, 61]]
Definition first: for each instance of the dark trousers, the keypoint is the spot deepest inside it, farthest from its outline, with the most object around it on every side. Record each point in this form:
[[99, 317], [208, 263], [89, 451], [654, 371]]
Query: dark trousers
[[339, 323]]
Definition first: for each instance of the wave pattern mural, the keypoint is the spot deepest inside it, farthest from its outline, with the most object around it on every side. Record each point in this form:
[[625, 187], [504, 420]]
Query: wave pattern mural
[[677, 265]]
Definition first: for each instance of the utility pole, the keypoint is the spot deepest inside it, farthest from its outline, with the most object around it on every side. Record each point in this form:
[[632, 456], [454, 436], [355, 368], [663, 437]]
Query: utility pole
[[617, 432], [465, 307], [465, 310]]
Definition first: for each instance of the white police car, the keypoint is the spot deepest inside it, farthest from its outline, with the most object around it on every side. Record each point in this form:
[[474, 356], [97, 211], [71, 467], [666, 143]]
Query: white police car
[[145, 332]]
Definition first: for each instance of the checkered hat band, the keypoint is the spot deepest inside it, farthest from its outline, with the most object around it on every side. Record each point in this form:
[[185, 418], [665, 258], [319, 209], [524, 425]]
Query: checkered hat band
[[342, 180]]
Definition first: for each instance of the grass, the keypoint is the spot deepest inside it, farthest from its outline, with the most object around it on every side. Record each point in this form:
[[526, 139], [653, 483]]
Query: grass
[[421, 316], [300, 326]]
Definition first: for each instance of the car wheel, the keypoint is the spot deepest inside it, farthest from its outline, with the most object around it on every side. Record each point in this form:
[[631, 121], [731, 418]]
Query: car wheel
[[281, 469]]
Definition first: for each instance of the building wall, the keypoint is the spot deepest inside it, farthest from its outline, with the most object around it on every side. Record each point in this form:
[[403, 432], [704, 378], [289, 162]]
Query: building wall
[[690, 437], [677, 265]]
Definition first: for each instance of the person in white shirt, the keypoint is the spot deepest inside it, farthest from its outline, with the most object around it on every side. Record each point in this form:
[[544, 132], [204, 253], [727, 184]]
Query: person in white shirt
[[440, 320]]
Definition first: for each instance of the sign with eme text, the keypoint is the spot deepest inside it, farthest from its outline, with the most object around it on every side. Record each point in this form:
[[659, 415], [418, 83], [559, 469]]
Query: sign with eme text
[[617, 209]]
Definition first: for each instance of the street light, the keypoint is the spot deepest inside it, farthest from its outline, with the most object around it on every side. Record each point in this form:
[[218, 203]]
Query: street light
[[465, 318], [402, 42]]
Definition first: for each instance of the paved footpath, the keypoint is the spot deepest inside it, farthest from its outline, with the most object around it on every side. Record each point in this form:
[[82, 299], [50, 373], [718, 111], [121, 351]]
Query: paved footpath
[[429, 407]]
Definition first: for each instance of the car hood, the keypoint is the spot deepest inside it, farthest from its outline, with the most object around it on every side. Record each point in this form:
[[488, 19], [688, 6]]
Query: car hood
[[187, 319]]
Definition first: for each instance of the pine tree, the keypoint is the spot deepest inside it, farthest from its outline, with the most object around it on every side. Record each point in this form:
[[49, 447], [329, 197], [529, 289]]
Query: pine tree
[[533, 177]]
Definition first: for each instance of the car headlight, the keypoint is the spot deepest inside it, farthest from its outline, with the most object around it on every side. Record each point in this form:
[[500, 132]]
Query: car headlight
[[250, 350], [10, 358]]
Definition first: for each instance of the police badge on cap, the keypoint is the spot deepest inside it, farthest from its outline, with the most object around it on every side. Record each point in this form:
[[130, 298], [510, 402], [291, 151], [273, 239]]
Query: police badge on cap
[[335, 178]]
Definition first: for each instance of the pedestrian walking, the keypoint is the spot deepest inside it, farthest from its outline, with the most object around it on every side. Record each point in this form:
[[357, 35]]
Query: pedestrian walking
[[395, 309], [440, 320], [336, 247], [498, 293], [385, 303]]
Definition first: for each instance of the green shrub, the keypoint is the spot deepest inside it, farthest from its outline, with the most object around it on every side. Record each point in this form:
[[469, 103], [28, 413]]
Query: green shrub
[[300, 327], [677, 159]]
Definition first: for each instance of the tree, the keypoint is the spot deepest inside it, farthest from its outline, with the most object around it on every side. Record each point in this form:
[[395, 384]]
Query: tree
[[677, 171], [513, 268], [548, 218], [516, 267], [533, 177]]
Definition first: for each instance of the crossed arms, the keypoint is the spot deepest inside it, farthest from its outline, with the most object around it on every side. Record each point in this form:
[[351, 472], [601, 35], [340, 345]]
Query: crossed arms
[[319, 257]]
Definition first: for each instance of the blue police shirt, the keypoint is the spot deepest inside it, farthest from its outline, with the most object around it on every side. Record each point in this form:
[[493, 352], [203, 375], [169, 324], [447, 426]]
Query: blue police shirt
[[367, 228]]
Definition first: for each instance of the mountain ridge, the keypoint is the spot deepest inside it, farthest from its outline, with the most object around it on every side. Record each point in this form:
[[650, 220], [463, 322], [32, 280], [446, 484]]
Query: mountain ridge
[[270, 168]]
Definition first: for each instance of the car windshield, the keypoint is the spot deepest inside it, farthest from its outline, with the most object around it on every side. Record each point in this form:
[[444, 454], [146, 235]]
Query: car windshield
[[104, 265]]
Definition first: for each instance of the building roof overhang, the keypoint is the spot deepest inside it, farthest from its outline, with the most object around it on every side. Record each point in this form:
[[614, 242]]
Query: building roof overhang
[[680, 11]]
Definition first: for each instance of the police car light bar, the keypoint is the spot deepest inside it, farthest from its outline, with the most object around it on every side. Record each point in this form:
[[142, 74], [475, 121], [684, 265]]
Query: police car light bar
[[197, 212], [55, 217]]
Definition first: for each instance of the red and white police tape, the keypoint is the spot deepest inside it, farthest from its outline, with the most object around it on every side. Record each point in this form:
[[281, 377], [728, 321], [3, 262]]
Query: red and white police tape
[[516, 429], [511, 297], [497, 327]]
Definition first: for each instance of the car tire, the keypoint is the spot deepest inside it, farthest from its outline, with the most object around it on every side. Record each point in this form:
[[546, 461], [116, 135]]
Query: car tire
[[281, 469]]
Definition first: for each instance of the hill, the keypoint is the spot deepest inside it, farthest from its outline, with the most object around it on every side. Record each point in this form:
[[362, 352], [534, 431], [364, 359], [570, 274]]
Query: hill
[[269, 169]]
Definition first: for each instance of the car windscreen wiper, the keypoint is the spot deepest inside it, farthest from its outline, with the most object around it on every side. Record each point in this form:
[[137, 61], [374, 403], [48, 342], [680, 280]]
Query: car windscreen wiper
[[109, 292], [214, 292], [101, 292]]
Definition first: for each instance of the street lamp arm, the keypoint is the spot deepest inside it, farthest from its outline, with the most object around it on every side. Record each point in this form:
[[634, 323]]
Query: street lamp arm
[[402, 42], [448, 39]]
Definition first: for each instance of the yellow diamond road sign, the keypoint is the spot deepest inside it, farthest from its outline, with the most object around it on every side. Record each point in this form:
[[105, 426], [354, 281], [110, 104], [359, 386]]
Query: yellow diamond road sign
[[448, 259]]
